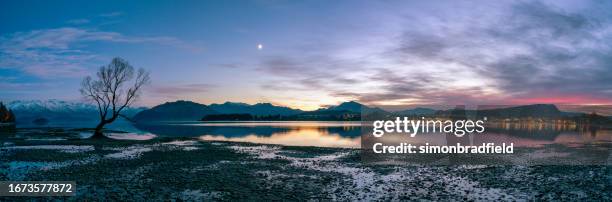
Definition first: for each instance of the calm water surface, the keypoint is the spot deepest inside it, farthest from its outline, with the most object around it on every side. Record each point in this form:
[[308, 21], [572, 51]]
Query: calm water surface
[[330, 134], [293, 133]]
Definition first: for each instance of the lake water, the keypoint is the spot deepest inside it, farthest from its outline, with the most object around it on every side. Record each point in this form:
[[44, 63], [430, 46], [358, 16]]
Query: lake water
[[292, 133], [329, 134]]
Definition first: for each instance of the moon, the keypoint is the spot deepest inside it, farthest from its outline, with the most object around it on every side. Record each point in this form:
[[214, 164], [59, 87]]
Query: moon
[[259, 46]]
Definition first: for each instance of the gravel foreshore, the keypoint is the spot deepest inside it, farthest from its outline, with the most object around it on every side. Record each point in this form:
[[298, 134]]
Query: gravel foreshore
[[192, 169]]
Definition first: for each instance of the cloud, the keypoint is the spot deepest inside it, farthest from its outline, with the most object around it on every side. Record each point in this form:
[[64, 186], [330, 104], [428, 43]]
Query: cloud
[[312, 73], [565, 53], [111, 14], [62, 52], [532, 50], [18, 87], [514, 52], [180, 89], [229, 65], [78, 21], [159, 93]]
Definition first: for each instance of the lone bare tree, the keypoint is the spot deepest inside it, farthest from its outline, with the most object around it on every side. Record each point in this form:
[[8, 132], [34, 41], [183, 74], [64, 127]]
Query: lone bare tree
[[112, 90]]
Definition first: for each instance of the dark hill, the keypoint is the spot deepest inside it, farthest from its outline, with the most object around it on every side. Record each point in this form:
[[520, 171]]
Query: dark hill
[[536, 111], [533, 111], [175, 111], [353, 107], [260, 109]]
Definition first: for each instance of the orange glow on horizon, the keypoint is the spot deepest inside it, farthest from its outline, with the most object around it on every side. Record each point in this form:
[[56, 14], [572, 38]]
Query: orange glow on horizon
[[299, 136]]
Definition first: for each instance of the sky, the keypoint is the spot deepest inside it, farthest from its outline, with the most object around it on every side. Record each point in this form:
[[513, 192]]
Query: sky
[[315, 53]]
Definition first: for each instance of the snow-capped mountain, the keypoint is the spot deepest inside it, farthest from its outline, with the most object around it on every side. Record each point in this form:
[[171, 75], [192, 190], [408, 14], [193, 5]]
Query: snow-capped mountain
[[50, 106], [58, 110]]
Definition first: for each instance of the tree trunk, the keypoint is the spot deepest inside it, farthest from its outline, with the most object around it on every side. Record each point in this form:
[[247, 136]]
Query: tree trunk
[[98, 131]]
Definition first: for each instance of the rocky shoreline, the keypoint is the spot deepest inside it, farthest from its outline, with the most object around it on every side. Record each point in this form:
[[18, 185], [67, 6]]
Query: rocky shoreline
[[191, 169]]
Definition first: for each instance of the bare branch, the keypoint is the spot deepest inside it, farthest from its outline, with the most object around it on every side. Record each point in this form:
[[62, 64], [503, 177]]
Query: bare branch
[[110, 90]]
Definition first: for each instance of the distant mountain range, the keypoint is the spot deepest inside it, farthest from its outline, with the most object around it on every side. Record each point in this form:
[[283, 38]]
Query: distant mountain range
[[346, 111], [259, 109], [57, 110], [175, 111], [26, 111], [536, 111], [353, 107], [190, 111], [187, 110]]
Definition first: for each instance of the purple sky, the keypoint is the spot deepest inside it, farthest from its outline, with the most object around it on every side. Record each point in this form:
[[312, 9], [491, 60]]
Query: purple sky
[[316, 53]]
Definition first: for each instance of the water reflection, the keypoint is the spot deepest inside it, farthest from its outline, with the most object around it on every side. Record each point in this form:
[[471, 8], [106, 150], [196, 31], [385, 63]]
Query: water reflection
[[297, 133], [319, 133], [347, 134], [520, 137], [271, 123], [302, 136], [530, 147]]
